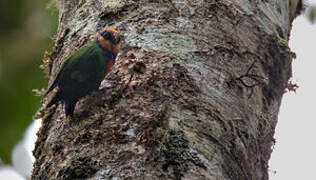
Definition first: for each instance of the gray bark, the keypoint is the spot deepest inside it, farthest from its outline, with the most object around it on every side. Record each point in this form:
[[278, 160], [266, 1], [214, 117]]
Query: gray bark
[[194, 94]]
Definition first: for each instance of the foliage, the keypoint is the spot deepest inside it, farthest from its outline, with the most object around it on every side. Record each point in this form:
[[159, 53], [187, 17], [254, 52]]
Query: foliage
[[25, 33], [311, 14]]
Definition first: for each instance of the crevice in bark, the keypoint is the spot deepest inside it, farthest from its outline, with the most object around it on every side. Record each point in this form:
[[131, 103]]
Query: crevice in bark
[[176, 105]]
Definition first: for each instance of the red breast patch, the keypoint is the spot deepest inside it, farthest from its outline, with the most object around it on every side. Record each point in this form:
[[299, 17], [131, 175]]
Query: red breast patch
[[109, 66]]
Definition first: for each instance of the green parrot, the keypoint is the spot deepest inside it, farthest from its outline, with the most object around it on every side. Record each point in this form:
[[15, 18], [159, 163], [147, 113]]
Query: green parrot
[[83, 71]]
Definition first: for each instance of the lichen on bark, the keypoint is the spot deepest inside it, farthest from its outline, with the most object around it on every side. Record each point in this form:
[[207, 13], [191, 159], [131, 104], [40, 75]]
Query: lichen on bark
[[194, 93]]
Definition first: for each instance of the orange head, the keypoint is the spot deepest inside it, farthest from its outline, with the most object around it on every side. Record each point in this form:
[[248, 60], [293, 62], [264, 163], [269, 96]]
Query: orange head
[[110, 40]]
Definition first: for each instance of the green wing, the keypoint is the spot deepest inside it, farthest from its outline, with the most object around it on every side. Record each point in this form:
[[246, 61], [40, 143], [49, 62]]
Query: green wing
[[72, 66]]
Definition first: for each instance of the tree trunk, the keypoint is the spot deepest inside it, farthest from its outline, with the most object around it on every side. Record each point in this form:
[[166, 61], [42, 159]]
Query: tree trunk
[[194, 94]]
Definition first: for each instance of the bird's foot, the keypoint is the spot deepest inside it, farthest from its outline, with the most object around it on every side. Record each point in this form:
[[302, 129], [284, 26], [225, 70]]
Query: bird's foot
[[68, 117]]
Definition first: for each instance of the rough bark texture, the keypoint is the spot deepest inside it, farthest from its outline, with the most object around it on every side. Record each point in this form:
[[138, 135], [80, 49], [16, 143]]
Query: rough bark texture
[[194, 94]]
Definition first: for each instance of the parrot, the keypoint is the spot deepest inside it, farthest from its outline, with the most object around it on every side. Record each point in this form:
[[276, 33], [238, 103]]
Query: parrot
[[84, 70]]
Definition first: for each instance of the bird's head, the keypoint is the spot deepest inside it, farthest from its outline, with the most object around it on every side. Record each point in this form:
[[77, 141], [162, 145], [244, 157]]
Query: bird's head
[[110, 40]]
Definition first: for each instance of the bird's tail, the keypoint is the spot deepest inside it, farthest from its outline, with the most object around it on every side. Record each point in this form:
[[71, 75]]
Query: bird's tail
[[50, 88]]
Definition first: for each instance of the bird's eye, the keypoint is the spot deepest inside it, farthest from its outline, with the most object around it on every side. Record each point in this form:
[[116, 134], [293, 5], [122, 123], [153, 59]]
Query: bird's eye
[[105, 35]]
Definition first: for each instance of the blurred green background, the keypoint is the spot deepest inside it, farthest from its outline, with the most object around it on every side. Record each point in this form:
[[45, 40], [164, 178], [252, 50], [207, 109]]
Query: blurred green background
[[27, 28]]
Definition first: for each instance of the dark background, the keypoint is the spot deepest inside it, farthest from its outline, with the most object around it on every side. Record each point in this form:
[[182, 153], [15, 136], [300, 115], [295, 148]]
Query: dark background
[[27, 29]]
